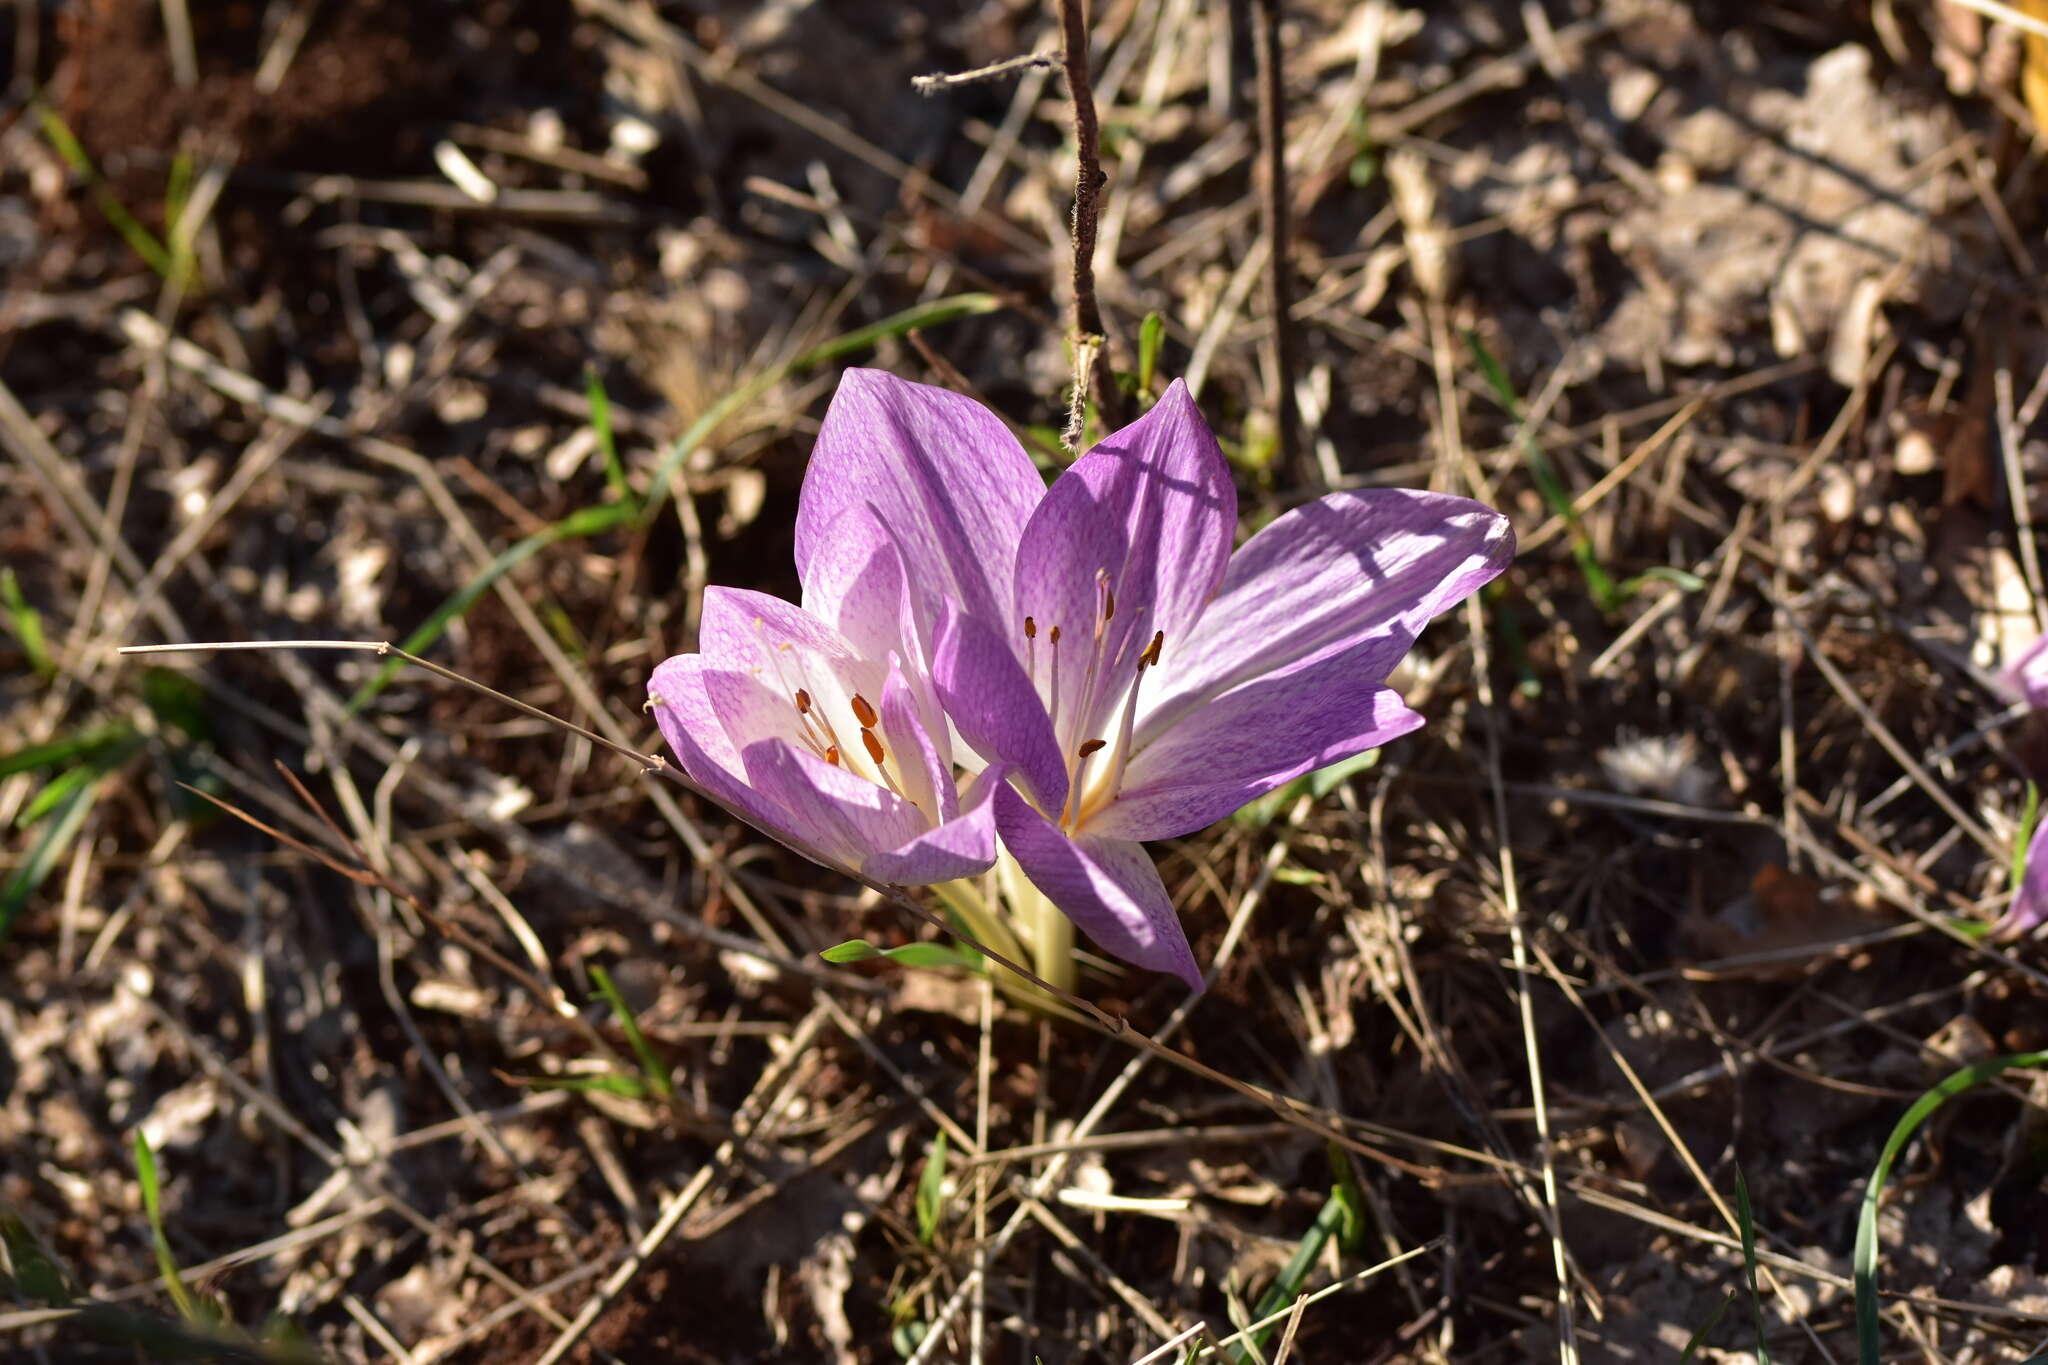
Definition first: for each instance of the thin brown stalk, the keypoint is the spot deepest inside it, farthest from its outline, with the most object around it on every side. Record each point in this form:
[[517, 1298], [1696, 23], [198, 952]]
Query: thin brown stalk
[[1091, 351], [1273, 217]]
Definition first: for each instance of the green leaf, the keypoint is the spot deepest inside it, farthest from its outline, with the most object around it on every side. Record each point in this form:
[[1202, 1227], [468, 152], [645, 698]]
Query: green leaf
[[1350, 1197], [932, 314], [1286, 1286], [152, 1207], [1264, 810], [1869, 1348], [43, 854], [650, 1061], [601, 423], [931, 1190], [79, 746], [589, 521], [1747, 1220], [909, 955], [38, 1276], [25, 623], [1151, 333]]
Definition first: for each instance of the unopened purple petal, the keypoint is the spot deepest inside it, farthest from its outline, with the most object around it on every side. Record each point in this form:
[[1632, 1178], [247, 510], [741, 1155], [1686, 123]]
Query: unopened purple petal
[[1146, 517], [1325, 577], [2029, 906], [1107, 887], [1252, 740], [964, 846], [943, 477], [2027, 676], [992, 705]]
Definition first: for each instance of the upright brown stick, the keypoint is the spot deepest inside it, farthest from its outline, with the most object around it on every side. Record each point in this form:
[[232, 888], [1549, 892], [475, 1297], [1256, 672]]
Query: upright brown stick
[[1273, 217], [1091, 349]]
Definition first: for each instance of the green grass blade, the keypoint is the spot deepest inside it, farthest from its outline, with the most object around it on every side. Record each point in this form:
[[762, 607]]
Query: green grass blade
[[1868, 1346], [607, 444], [42, 856], [1151, 333], [860, 339], [25, 623], [931, 1190], [1746, 1217], [152, 1207], [140, 239], [71, 748], [1699, 1338], [1286, 1286], [650, 1061], [589, 521]]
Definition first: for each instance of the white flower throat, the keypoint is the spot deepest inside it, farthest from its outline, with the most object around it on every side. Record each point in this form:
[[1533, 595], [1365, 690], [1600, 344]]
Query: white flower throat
[[1094, 777]]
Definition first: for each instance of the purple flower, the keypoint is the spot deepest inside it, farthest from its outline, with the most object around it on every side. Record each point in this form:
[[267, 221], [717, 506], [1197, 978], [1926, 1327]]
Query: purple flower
[[2029, 905], [2027, 676], [1125, 676], [2027, 679], [823, 733]]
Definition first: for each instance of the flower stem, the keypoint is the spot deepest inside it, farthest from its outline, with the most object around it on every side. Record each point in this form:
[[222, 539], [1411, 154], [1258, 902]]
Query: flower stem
[[1050, 933]]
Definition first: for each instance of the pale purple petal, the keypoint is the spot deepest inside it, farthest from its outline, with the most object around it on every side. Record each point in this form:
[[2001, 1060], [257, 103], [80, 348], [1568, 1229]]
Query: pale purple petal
[[840, 813], [741, 628], [994, 708], [1252, 740], [942, 476], [1349, 567], [689, 704], [921, 764], [1107, 887], [1148, 514], [964, 846], [2027, 677], [2030, 902], [857, 586]]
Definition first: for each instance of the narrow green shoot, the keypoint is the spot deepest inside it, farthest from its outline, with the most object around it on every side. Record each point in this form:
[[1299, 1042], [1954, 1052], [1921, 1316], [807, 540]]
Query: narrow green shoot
[[931, 1190], [588, 521], [32, 1273], [1599, 582], [2030, 816], [140, 239], [650, 1061], [1286, 1287], [25, 624], [152, 1207], [1746, 1218], [1699, 1338], [607, 443], [1151, 333], [1266, 809], [1869, 1347]]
